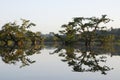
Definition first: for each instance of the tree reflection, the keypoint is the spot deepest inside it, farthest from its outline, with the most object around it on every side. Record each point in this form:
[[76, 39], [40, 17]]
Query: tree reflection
[[84, 59], [17, 42], [12, 55]]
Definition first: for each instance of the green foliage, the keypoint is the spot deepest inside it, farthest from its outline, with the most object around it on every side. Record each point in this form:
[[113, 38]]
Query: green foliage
[[70, 31], [89, 26], [16, 43], [106, 39], [82, 28], [17, 34]]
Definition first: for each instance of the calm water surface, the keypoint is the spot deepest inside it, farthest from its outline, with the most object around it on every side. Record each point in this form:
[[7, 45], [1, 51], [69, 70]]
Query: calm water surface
[[62, 63]]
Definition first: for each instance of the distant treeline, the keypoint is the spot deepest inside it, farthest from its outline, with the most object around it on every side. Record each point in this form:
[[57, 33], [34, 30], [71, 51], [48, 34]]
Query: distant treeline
[[113, 33]]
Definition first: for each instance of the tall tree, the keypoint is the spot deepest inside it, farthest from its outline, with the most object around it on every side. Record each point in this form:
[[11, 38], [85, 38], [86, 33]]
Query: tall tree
[[89, 26], [69, 32]]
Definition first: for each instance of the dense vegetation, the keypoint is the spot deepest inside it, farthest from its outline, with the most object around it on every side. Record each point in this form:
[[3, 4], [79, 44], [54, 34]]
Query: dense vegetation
[[13, 34], [86, 30]]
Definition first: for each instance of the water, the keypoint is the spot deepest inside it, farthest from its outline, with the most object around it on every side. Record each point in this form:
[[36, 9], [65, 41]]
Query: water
[[59, 63]]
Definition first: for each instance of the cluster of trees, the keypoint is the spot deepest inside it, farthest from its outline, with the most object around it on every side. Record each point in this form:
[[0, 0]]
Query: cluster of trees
[[87, 30], [17, 43], [81, 29], [115, 33], [13, 34]]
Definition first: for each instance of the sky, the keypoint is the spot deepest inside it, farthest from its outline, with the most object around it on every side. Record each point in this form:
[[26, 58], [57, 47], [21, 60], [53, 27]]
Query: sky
[[49, 15]]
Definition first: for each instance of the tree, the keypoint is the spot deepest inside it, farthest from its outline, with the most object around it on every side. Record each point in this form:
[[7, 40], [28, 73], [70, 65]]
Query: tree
[[69, 33], [12, 33], [88, 27]]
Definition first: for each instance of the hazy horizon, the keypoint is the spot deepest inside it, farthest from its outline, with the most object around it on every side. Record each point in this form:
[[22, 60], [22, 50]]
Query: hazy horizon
[[49, 15]]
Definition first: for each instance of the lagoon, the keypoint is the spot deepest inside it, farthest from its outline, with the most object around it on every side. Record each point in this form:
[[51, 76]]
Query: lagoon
[[59, 63]]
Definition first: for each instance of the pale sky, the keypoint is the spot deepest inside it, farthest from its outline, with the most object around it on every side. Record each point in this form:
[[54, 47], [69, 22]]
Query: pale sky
[[49, 15]]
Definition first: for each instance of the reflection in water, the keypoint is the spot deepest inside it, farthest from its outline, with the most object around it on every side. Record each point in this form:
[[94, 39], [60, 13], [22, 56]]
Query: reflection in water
[[85, 59], [79, 57], [12, 55]]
